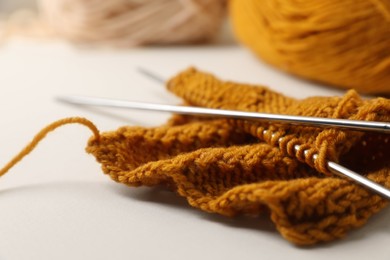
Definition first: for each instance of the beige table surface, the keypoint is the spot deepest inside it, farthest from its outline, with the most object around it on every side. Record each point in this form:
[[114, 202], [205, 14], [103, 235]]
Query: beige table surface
[[57, 204]]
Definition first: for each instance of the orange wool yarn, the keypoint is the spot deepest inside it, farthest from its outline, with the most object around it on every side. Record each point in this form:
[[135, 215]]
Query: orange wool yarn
[[235, 167], [342, 43]]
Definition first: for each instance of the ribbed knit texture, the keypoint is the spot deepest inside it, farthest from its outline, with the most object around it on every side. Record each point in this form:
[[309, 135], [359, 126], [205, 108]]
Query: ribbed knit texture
[[235, 167]]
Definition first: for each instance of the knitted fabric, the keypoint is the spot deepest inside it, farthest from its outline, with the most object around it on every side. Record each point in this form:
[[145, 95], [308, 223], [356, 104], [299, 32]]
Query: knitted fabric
[[235, 167]]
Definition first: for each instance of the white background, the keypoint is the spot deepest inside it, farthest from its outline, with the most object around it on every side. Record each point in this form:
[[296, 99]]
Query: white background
[[57, 203]]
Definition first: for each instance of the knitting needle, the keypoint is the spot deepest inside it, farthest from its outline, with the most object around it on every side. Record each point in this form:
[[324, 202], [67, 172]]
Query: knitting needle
[[314, 121], [347, 173], [200, 111], [151, 75], [333, 167]]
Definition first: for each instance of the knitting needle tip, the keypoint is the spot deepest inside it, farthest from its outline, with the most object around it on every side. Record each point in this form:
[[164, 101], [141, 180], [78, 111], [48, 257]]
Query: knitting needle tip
[[151, 75]]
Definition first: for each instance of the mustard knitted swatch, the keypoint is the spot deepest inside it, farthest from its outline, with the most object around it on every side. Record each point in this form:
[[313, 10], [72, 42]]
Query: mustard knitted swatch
[[235, 167]]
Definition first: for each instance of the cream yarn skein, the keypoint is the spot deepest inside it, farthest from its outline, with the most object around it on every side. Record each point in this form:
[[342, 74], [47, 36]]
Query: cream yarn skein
[[129, 23]]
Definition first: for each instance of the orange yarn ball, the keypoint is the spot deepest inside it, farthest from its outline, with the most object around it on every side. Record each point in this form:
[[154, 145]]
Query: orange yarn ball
[[342, 43]]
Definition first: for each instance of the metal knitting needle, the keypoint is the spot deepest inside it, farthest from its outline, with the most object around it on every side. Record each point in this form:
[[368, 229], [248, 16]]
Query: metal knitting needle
[[347, 173], [333, 167], [151, 75], [200, 111], [312, 121]]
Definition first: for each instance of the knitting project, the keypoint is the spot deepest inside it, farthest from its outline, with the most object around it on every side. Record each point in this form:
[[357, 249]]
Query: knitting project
[[235, 167]]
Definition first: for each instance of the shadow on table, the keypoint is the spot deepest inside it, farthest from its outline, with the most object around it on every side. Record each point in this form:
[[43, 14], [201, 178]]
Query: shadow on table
[[162, 196], [377, 224]]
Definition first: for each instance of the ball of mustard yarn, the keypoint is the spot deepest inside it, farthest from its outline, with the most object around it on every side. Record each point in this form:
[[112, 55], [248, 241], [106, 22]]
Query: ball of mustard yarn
[[129, 23], [342, 43]]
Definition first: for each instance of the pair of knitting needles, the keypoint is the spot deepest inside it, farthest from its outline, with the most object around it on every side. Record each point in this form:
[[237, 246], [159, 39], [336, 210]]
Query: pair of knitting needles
[[276, 118]]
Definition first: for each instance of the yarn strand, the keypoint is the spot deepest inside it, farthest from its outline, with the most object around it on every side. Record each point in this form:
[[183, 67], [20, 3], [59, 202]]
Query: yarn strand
[[42, 134]]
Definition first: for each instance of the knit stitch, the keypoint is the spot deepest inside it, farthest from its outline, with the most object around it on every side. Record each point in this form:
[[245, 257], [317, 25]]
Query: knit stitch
[[235, 167]]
